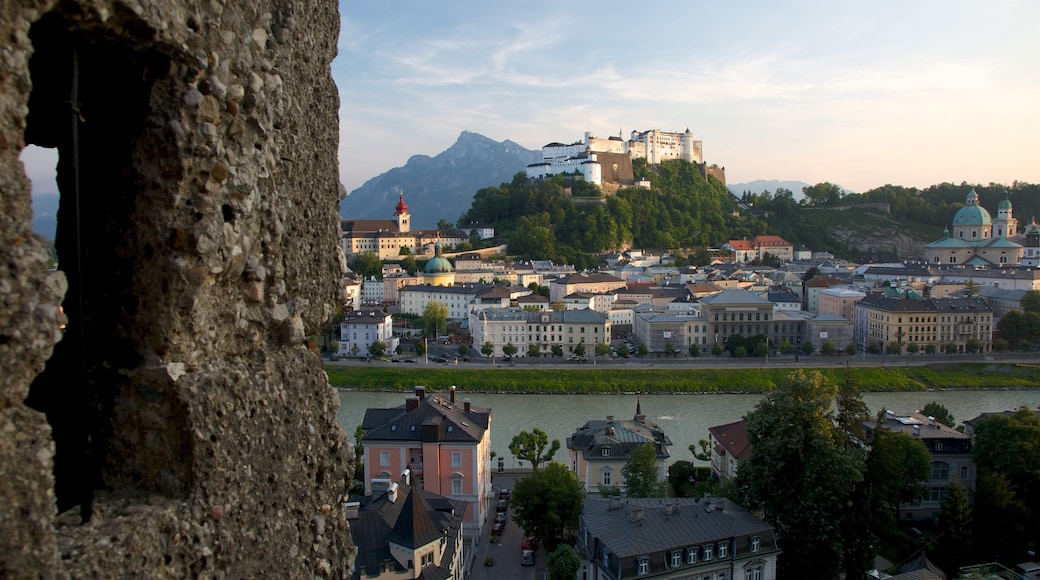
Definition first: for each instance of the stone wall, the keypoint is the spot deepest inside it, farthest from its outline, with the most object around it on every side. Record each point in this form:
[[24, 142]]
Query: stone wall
[[159, 390]]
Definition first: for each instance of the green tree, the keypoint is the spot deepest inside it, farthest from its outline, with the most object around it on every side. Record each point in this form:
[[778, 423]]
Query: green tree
[[669, 349], [717, 349], [420, 348], [799, 474], [377, 348], [1031, 301], [443, 224], [695, 351], [808, 347], [894, 347], [435, 318], [487, 349], [740, 352], [641, 349], [463, 349], [509, 349], [641, 473], [366, 265], [704, 454], [579, 349], [682, 479], [404, 251], [786, 347], [602, 349], [973, 345], [823, 194], [547, 503], [954, 530], [898, 465], [850, 349], [533, 351], [409, 265], [940, 412], [913, 348], [852, 412], [950, 348], [930, 348], [557, 350], [562, 563], [531, 447], [828, 348]]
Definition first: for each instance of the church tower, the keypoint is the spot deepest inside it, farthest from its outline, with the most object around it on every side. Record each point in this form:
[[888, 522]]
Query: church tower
[[404, 219], [1005, 226]]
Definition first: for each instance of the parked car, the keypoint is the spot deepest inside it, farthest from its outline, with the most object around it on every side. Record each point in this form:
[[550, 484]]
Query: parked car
[[504, 494], [527, 558], [503, 505], [496, 528], [500, 517], [528, 543]]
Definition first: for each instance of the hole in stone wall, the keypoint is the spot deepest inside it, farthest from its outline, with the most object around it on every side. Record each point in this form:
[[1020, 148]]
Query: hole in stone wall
[[91, 94]]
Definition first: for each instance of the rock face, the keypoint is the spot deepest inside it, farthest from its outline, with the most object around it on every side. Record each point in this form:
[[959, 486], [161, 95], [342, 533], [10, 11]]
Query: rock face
[[157, 390]]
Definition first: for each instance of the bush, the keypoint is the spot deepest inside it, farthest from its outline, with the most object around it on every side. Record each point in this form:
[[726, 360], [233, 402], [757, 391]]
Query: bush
[[489, 561]]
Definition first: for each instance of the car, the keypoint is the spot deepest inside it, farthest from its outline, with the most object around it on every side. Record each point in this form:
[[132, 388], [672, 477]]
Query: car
[[410, 360], [497, 528], [396, 360], [528, 543], [503, 506], [505, 494], [527, 558], [500, 517]]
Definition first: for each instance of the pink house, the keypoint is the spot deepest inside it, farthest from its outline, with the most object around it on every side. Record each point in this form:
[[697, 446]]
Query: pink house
[[443, 444]]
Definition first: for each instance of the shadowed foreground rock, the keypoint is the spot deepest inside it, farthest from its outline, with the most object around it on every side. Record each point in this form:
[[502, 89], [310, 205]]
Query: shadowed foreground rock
[[158, 389]]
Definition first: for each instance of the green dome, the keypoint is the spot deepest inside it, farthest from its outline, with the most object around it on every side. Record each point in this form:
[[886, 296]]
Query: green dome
[[972, 215], [438, 265], [1005, 204]]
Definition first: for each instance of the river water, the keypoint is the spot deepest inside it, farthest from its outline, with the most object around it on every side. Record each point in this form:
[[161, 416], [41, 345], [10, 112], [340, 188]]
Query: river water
[[684, 418]]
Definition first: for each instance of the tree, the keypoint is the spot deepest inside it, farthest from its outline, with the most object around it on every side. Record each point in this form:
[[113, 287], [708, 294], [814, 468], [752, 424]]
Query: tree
[[562, 563], [808, 347], [531, 447], [828, 348], [420, 348], [579, 349], [786, 347], [435, 318], [641, 473], [463, 349], [487, 349], [799, 474], [602, 349], [971, 288], [443, 224], [547, 502], [533, 350], [366, 265], [695, 351], [509, 349], [897, 466], [408, 264], [717, 349], [954, 527], [930, 348], [850, 349], [1031, 301], [950, 348], [669, 349], [852, 412], [641, 349], [940, 412], [913, 348], [740, 352], [973, 345], [894, 347], [557, 350], [377, 348]]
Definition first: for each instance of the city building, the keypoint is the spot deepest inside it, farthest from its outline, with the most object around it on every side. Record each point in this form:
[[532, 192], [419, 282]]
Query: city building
[[360, 329], [523, 327], [675, 538], [978, 239], [443, 444], [839, 301], [389, 239], [583, 282], [599, 450], [736, 312], [951, 459], [407, 532], [960, 323]]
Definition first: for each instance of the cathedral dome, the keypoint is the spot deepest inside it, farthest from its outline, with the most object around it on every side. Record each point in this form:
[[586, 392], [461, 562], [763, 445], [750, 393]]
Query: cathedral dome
[[401, 206], [972, 214], [438, 264], [1005, 204]]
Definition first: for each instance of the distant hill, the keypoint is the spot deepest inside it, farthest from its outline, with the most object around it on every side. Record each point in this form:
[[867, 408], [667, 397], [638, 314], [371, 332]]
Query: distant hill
[[441, 186], [760, 185]]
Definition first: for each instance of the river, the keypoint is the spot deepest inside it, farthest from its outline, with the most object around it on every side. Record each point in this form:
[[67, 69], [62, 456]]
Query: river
[[684, 418]]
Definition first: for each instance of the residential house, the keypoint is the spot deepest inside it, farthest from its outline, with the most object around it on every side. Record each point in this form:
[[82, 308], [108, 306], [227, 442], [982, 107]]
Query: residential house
[[599, 450], [444, 444], [773, 245], [592, 283], [359, 330], [951, 459], [743, 250], [839, 301], [729, 447], [407, 532], [783, 300], [811, 291], [544, 328], [675, 538]]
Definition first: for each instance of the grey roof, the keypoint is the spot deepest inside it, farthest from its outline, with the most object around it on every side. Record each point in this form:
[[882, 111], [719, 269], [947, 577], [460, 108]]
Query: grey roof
[[920, 426], [735, 297], [889, 304], [694, 522], [448, 420], [587, 278], [620, 436]]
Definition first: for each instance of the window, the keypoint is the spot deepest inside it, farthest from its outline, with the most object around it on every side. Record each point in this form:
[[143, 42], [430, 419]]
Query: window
[[643, 566], [707, 552], [936, 494], [456, 484], [605, 452], [676, 558], [427, 559], [754, 573], [723, 548], [964, 472], [756, 544], [691, 555], [607, 477], [384, 459], [940, 470], [456, 460]]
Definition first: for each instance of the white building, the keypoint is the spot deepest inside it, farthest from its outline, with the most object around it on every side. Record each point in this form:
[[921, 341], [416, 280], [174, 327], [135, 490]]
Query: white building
[[522, 328], [360, 329]]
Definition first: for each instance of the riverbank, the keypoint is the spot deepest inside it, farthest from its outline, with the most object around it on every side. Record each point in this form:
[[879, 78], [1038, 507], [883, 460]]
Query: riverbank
[[591, 380]]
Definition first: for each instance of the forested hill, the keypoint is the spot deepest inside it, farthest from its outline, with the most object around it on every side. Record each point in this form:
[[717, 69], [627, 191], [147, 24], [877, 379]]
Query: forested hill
[[569, 221]]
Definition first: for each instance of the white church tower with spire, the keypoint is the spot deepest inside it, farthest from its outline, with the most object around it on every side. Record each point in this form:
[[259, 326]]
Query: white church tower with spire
[[1005, 226], [404, 219]]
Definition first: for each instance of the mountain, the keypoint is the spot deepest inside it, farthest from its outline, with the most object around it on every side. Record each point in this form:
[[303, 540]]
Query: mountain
[[760, 185], [441, 186], [45, 214]]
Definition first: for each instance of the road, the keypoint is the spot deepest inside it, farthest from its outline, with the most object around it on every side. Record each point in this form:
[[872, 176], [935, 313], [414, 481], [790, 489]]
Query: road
[[505, 552]]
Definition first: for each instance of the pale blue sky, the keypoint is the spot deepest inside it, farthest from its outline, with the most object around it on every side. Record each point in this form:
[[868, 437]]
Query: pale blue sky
[[858, 93]]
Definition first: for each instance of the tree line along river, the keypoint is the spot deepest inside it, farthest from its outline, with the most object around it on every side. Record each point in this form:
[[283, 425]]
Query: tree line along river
[[684, 418]]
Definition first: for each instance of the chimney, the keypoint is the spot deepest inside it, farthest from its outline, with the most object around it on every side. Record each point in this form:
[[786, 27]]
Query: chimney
[[610, 418], [615, 504], [637, 514], [452, 391], [411, 403], [350, 509], [917, 430], [406, 477], [392, 493], [931, 420], [420, 392], [466, 405], [668, 509]]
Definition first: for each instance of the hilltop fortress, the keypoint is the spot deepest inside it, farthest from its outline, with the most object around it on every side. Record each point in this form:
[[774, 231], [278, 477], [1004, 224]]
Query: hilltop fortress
[[609, 160]]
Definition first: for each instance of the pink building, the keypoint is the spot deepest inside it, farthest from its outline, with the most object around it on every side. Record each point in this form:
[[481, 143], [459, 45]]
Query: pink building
[[443, 444], [840, 302]]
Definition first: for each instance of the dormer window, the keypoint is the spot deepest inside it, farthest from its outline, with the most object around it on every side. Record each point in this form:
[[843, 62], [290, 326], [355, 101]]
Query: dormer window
[[605, 452]]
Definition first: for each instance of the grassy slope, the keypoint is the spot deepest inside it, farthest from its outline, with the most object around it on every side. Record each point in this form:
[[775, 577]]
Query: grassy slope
[[588, 380]]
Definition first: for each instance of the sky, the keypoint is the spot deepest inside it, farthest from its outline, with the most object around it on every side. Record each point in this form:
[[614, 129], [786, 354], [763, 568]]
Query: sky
[[862, 94]]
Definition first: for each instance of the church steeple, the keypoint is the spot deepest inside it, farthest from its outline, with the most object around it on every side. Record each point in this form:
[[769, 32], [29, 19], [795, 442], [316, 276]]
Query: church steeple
[[404, 219]]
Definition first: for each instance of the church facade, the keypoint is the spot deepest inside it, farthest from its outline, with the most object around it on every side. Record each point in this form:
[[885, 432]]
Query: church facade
[[977, 238]]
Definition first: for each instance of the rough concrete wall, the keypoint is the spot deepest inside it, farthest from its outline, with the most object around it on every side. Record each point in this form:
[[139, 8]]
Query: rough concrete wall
[[212, 255]]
